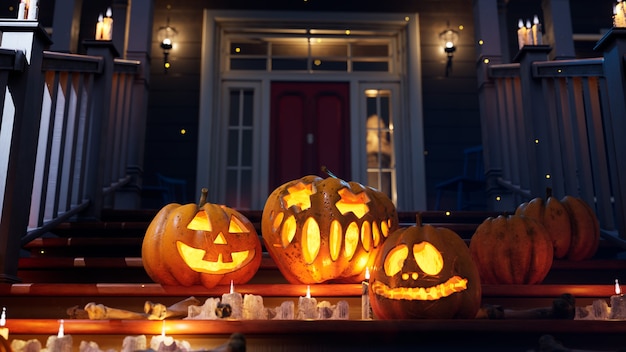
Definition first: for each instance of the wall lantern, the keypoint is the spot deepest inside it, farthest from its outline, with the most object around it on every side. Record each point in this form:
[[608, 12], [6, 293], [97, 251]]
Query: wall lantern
[[165, 35], [449, 38]]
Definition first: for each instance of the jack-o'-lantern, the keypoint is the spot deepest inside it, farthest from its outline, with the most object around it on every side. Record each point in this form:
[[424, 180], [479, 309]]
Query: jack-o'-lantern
[[424, 272], [206, 244], [325, 229]]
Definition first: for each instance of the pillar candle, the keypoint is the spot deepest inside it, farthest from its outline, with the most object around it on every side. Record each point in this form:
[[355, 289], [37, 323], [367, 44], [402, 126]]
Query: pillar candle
[[32, 9], [529, 34], [366, 311], [521, 34], [307, 306], [99, 27], [235, 300], [107, 27], [21, 10], [536, 29]]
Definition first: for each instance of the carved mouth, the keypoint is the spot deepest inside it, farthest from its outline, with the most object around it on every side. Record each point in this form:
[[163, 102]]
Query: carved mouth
[[433, 293], [193, 258]]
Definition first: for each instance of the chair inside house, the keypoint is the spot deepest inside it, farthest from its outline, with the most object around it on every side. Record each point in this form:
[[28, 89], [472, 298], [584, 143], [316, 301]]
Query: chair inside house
[[173, 190], [472, 180]]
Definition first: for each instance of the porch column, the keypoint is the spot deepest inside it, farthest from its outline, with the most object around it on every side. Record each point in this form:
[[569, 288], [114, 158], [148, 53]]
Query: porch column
[[120, 14], [66, 25], [139, 47], [487, 31], [558, 29]]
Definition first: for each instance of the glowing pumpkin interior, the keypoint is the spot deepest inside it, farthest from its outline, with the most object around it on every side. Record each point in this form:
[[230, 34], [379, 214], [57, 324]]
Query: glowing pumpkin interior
[[430, 261], [195, 257]]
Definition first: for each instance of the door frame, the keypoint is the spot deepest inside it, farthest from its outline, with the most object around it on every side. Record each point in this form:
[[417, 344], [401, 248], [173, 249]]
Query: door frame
[[411, 180]]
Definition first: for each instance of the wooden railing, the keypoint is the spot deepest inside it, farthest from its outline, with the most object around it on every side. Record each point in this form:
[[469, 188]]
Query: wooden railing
[[65, 135], [561, 125]]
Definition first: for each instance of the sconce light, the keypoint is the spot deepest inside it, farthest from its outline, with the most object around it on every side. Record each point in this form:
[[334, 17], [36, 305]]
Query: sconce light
[[448, 39], [165, 36]]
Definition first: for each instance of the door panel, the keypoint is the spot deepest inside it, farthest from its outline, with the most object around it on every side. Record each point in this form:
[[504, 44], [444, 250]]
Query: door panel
[[309, 128]]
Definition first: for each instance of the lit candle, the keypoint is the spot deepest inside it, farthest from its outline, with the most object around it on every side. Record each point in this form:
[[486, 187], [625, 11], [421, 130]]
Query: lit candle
[[307, 306], [235, 301], [162, 342], [107, 28], [4, 332], [61, 332], [619, 14], [529, 34], [521, 34], [100, 27], [618, 304], [537, 40], [32, 9], [61, 342], [366, 311], [21, 10]]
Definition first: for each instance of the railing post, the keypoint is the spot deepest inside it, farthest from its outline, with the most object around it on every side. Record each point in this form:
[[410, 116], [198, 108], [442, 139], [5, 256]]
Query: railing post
[[613, 46], [99, 126], [21, 116], [535, 149]]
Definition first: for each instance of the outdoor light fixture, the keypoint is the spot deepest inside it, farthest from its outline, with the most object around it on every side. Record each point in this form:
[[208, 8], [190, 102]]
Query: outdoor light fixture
[[165, 36], [448, 38]]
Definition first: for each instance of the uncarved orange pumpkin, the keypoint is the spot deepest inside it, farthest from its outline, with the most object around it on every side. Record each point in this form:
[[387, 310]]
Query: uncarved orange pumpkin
[[206, 244], [325, 229], [512, 249]]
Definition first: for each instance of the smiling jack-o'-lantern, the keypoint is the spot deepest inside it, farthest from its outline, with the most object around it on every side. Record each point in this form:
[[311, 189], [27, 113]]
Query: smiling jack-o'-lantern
[[424, 272], [322, 230], [207, 244]]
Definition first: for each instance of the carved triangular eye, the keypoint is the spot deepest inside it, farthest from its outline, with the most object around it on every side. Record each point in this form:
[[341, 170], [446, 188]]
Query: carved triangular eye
[[236, 226], [200, 222], [428, 258], [395, 260]]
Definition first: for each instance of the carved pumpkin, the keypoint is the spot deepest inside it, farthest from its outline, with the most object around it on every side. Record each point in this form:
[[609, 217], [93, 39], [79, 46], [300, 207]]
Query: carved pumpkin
[[512, 249], [321, 230], [424, 272], [571, 223], [207, 244]]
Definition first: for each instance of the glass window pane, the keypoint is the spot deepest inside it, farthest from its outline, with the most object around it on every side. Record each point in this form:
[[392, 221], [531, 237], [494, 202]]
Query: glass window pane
[[245, 201], [330, 65], [289, 64], [329, 49], [291, 49], [233, 148], [233, 109], [369, 66], [248, 64], [246, 148], [248, 105], [231, 187], [371, 50]]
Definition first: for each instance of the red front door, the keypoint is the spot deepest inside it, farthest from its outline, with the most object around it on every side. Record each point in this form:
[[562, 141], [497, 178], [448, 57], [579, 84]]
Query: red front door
[[309, 128]]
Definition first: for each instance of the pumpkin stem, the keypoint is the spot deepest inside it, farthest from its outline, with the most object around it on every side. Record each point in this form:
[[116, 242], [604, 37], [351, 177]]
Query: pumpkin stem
[[418, 219], [204, 193], [328, 172], [548, 192]]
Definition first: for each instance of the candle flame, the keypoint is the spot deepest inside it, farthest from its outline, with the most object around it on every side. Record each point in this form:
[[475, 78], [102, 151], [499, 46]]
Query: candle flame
[[3, 316], [100, 18], [520, 24], [308, 291], [163, 329], [109, 13], [61, 330], [232, 287], [536, 19], [367, 274], [617, 288]]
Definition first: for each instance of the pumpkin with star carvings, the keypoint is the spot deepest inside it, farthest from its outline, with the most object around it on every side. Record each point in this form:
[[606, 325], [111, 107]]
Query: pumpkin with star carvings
[[325, 229], [424, 272], [200, 244]]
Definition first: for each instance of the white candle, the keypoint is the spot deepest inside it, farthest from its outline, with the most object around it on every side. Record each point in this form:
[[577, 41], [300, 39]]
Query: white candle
[[21, 10], [366, 311], [235, 300], [4, 332], [32, 9], [619, 14], [161, 342], [521, 34], [107, 27], [100, 27], [307, 306], [61, 332], [618, 304], [537, 40]]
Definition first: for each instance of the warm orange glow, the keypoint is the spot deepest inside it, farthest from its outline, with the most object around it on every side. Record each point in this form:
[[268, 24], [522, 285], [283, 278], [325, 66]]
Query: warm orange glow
[[236, 226], [299, 195], [394, 262], [335, 238], [288, 231], [311, 240], [200, 222], [350, 202], [366, 236], [194, 258], [375, 234], [453, 285], [428, 258], [351, 240]]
